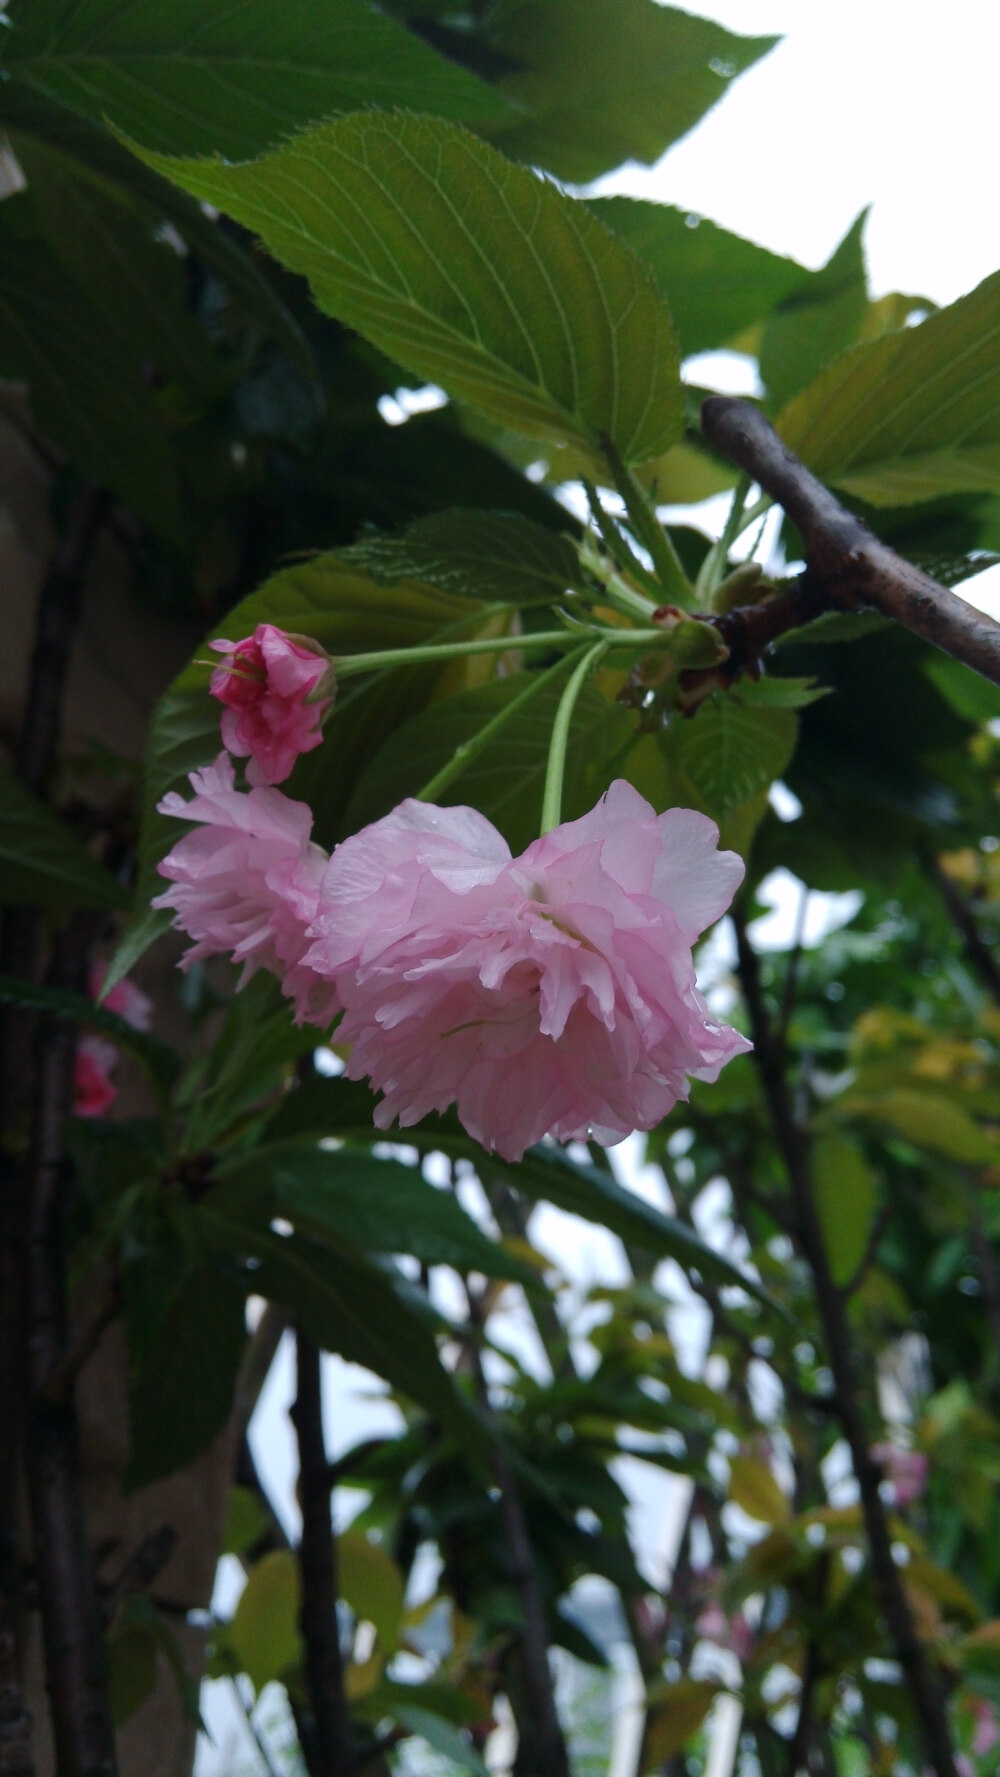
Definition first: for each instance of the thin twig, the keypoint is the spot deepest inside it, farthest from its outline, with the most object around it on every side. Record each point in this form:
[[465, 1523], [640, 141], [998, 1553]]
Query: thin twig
[[979, 954], [325, 1723], [793, 1145], [547, 1756], [847, 567]]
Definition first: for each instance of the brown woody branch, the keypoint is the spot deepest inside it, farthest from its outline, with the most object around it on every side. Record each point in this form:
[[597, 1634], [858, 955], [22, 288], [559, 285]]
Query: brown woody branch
[[793, 1144], [847, 567]]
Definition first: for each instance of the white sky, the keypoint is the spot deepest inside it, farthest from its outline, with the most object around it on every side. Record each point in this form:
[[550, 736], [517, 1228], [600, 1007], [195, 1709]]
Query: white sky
[[866, 101]]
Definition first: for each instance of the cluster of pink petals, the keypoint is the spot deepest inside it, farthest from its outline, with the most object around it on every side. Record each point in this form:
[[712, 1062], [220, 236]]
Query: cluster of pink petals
[[552, 993], [93, 1088], [905, 1470], [734, 1632], [265, 682], [245, 883]]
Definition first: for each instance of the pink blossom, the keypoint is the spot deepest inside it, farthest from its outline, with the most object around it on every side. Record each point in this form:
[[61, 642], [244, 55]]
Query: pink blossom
[[93, 1088], [986, 1733], [246, 882], [267, 682], [552, 993], [732, 1632], [905, 1471]]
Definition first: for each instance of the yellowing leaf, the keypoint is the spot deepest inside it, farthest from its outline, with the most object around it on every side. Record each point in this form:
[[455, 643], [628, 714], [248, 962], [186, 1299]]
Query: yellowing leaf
[[264, 1633], [846, 1195], [371, 1583], [754, 1489], [928, 1119], [676, 1711]]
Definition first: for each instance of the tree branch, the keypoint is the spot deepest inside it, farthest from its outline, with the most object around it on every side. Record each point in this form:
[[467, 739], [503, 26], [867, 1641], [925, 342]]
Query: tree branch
[[325, 1723], [793, 1145], [980, 955], [847, 567]]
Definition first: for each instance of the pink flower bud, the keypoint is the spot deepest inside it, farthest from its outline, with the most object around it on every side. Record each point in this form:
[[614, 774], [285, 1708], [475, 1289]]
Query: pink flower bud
[[93, 1088], [905, 1470], [272, 687]]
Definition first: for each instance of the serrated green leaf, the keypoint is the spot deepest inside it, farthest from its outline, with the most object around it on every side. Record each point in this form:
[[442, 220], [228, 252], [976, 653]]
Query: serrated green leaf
[[85, 389], [715, 284], [235, 79], [730, 750], [495, 556], [773, 693], [603, 81], [443, 1736], [468, 270], [42, 862], [912, 415], [506, 780], [846, 1194]]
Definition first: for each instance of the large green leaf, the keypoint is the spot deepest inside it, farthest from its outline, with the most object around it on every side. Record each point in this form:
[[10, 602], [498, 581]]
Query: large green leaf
[[496, 556], [604, 81], [467, 270], [846, 1194], [506, 780], [817, 320], [42, 862], [191, 78], [382, 1205], [351, 1306], [182, 1390], [106, 243], [344, 1107], [912, 415], [84, 385], [715, 283], [76, 149]]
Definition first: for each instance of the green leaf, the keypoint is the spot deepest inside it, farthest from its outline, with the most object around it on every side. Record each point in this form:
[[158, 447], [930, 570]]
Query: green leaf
[[677, 1711], [85, 390], [183, 1391], [912, 415], [250, 1058], [160, 1062], [773, 693], [715, 284], [383, 1205], [927, 1119], [603, 81], [818, 320], [236, 79], [131, 1670], [246, 1521], [506, 780], [495, 556], [969, 694], [264, 1632], [370, 1581], [846, 1193], [106, 244], [75, 147], [730, 749], [353, 1307], [344, 1107], [42, 862], [467, 270], [754, 1489], [442, 1735]]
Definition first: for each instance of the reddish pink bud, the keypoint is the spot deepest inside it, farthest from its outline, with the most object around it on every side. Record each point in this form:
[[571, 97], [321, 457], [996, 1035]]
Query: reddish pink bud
[[271, 685]]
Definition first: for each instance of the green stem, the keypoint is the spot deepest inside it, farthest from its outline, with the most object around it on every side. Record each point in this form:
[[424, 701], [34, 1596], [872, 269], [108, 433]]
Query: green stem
[[555, 771], [674, 585], [713, 568], [471, 748], [348, 666]]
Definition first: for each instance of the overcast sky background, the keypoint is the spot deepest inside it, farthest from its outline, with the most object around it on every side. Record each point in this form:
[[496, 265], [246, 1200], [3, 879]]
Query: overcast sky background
[[864, 102]]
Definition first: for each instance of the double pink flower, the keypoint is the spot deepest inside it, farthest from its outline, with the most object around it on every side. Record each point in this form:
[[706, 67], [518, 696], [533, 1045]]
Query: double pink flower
[[552, 993]]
